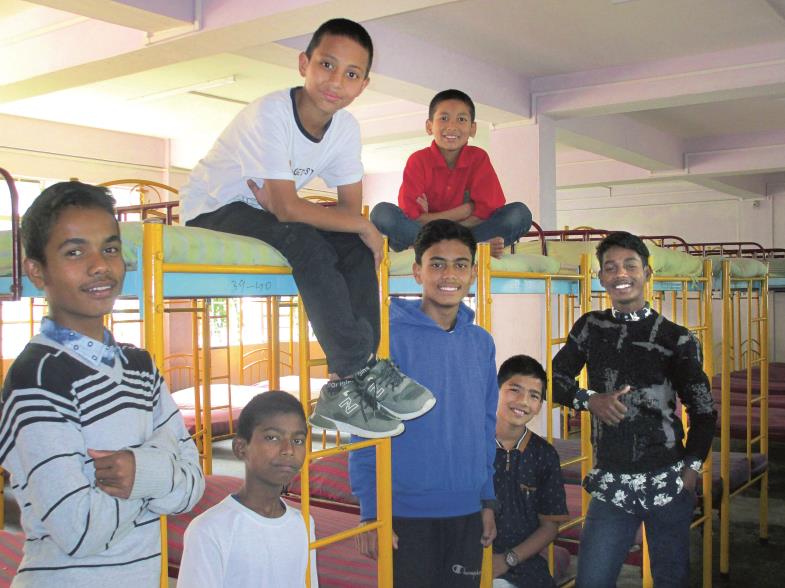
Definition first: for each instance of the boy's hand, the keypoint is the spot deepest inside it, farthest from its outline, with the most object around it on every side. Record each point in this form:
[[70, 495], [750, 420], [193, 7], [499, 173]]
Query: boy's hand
[[114, 471], [423, 202], [499, 564], [374, 241], [607, 407], [368, 545], [690, 478], [262, 196], [488, 527]]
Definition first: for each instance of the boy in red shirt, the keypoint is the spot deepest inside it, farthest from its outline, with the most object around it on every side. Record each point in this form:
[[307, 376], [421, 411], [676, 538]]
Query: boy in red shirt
[[454, 181]]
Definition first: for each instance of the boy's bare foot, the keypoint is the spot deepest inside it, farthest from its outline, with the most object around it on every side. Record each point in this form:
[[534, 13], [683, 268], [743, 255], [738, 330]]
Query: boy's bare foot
[[497, 247]]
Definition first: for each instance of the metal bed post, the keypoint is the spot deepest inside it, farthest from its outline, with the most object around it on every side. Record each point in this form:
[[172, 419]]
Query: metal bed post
[[207, 376], [484, 320], [708, 367], [384, 302], [273, 336], [763, 317], [384, 448], [154, 323], [727, 334]]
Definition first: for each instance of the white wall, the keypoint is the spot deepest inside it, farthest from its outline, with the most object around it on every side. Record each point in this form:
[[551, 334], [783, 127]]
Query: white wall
[[43, 149]]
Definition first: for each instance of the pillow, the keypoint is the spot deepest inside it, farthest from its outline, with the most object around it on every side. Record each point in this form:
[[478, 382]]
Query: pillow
[[668, 262], [568, 253], [740, 267], [528, 261]]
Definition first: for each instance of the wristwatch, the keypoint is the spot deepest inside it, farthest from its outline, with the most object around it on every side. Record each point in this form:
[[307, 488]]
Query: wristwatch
[[511, 558]]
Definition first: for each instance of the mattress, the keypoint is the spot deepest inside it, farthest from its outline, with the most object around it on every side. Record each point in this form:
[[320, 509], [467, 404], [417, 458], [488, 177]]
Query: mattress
[[181, 245], [740, 267], [530, 262], [777, 267], [664, 262], [241, 395], [10, 556], [738, 423], [219, 396]]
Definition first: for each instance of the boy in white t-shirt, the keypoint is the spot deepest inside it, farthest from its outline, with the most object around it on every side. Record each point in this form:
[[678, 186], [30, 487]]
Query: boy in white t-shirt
[[253, 538], [247, 185]]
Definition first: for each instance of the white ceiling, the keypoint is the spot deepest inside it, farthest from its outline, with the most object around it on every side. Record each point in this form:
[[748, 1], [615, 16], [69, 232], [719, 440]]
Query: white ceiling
[[529, 48]]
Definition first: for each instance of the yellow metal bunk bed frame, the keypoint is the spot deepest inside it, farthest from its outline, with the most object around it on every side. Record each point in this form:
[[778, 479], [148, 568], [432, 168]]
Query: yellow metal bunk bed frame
[[751, 296], [565, 313], [155, 268]]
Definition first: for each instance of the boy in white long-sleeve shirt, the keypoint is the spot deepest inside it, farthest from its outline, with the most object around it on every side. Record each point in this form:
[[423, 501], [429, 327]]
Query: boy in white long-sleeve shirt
[[95, 446]]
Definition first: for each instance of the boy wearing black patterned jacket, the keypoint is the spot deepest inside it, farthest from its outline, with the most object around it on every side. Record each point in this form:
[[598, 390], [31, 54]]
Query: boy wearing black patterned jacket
[[94, 443], [639, 364]]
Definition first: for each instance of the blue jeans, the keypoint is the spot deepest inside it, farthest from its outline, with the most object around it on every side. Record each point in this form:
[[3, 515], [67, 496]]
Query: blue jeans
[[509, 222], [609, 532]]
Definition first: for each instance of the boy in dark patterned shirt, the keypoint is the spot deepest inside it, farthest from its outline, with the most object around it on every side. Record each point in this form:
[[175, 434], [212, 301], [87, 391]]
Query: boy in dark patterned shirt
[[528, 481], [639, 365]]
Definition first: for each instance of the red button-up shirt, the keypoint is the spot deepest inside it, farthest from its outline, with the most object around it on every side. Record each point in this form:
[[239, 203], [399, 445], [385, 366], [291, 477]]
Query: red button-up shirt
[[473, 178]]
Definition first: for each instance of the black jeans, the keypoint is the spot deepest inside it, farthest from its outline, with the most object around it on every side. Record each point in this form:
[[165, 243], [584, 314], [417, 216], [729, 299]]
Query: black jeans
[[334, 273]]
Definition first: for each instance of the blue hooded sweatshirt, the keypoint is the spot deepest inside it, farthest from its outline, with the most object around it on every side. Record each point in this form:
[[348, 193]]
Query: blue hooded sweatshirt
[[442, 464]]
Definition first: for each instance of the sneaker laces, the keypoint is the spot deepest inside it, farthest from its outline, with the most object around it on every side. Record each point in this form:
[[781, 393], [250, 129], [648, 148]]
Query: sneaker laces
[[366, 400], [390, 375]]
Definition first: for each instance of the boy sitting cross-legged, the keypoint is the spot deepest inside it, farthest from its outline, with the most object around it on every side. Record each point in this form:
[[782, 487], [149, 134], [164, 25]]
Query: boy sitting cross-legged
[[253, 538], [528, 480], [95, 446], [452, 180]]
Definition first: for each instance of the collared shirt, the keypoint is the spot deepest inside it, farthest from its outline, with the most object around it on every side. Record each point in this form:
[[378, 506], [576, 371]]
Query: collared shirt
[[472, 179], [92, 351]]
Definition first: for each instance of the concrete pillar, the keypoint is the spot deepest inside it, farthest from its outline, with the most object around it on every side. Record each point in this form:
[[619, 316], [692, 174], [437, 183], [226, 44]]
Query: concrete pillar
[[525, 161]]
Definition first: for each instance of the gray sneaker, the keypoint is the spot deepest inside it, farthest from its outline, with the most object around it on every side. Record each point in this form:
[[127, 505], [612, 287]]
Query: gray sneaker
[[343, 405], [396, 392]]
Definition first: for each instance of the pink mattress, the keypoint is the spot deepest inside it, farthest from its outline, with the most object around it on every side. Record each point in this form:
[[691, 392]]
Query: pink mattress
[[738, 423], [10, 556], [219, 396], [241, 395]]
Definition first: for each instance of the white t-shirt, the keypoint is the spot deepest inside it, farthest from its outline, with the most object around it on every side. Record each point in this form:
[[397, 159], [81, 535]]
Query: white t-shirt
[[266, 141], [231, 546]]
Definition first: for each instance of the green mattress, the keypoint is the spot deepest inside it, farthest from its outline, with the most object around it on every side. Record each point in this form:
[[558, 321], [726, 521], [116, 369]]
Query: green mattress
[[665, 262], [181, 245], [401, 263], [740, 267]]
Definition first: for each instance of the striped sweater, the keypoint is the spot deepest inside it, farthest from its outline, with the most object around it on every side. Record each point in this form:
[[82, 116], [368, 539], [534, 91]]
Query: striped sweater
[[56, 407]]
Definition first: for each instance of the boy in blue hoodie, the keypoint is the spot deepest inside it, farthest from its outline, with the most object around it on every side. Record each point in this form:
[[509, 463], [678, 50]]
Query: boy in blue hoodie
[[442, 466]]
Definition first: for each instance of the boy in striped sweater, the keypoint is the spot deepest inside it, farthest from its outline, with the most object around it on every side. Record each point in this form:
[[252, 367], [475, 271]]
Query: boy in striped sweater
[[95, 446]]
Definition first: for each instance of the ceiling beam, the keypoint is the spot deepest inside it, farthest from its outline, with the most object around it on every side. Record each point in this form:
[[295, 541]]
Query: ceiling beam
[[621, 138], [739, 166], [145, 15], [57, 60], [413, 69], [724, 75]]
